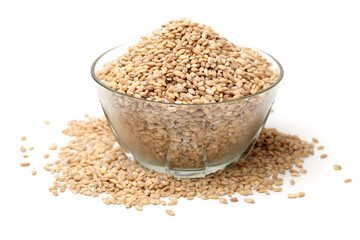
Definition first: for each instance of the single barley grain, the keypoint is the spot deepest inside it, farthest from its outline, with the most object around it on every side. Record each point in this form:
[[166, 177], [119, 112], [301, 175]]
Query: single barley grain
[[53, 147], [292, 181], [337, 167], [323, 156], [301, 194], [138, 207], [277, 189], [24, 164], [348, 180], [23, 138], [172, 203], [223, 200], [249, 200], [320, 147], [22, 149], [170, 212], [31, 148], [33, 172], [315, 140], [303, 171], [46, 155], [47, 122], [233, 199], [25, 156], [292, 195]]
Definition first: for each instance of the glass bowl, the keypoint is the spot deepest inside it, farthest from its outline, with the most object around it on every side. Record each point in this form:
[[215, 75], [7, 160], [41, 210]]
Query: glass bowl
[[184, 140]]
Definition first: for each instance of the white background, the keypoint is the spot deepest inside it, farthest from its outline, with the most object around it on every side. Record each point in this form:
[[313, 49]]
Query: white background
[[47, 48]]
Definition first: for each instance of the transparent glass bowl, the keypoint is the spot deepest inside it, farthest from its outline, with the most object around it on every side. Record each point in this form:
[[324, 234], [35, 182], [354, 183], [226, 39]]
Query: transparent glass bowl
[[185, 140]]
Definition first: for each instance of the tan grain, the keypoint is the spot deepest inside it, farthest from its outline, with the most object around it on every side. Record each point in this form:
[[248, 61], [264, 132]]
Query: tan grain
[[292, 195], [22, 149], [292, 181], [223, 201], [170, 212], [24, 164], [337, 167], [315, 140], [348, 180], [323, 156], [301, 194], [138, 207], [53, 147], [23, 138], [249, 200]]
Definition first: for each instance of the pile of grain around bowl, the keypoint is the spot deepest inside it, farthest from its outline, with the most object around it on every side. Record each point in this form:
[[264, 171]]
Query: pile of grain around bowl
[[187, 63], [92, 164]]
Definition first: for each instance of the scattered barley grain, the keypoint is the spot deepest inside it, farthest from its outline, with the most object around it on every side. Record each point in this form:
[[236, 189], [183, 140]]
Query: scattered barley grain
[[22, 149], [292, 195], [170, 212], [337, 167]]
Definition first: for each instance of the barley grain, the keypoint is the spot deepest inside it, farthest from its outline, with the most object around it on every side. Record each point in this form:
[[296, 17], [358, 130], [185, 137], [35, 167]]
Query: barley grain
[[337, 167], [172, 203], [138, 207], [223, 200], [315, 140], [292, 195], [23, 138], [47, 122], [31, 148], [24, 164], [249, 200], [53, 147], [33, 172], [348, 180], [46, 155], [292, 181], [170, 212], [301, 194], [22, 149], [323, 156], [320, 147]]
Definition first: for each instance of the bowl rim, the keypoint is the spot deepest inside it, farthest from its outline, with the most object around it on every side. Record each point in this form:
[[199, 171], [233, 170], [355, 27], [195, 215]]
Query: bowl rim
[[280, 77]]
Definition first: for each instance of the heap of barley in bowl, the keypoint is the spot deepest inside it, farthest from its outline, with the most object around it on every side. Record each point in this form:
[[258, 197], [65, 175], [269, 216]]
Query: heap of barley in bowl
[[185, 100], [185, 62]]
